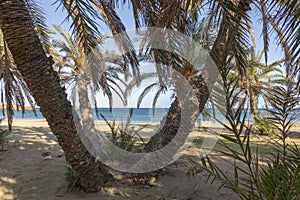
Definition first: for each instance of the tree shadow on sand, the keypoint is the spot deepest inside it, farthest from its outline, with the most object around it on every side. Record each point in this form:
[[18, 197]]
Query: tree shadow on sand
[[29, 177]]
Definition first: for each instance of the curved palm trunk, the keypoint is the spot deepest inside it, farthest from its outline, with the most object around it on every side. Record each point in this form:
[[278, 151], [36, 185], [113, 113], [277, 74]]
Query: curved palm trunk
[[201, 86], [174, 117], [44, 84]]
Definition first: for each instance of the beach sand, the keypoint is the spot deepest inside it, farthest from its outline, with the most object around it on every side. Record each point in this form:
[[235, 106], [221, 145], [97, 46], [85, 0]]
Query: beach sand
[[24, 175]]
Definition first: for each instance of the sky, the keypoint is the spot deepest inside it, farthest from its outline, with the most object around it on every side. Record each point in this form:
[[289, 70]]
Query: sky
[[57, 16]]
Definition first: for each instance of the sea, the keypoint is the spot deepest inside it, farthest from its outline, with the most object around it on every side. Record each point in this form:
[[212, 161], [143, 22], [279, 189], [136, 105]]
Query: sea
[[122, 114]]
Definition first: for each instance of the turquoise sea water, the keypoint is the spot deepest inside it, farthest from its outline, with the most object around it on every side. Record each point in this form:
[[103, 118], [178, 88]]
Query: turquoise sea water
[[121, 114]]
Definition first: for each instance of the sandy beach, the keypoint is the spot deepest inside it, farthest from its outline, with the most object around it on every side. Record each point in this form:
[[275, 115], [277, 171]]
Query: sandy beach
[[25, 175]]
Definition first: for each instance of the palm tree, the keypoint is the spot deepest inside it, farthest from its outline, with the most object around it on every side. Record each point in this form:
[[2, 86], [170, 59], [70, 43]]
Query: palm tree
[[161, 139], [257, 78], [231, 18], [81, 73], [73, 64], [233, 26], [200, 84], [44, 83], [13, 89]]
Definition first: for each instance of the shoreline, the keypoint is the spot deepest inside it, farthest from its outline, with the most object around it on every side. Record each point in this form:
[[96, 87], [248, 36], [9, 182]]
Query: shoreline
[[19, 123], [17, 120]]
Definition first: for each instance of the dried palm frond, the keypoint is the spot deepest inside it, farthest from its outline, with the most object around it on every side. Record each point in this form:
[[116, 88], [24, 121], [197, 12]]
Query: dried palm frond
[[13, 89]]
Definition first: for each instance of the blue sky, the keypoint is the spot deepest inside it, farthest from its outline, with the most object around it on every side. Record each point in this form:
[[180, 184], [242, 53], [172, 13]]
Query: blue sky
[[57, 17]]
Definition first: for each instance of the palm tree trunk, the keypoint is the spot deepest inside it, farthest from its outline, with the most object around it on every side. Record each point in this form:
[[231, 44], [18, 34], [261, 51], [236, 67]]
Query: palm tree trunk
[[44, 83], [201, 86], [9, 106], [84, 102], [253, 106], [173, 116], [176, 118]]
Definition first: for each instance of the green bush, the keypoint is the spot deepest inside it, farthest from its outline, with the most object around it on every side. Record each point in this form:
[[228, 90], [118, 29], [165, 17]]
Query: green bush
[[124, 136], [264, 126], [281, 179], [72, 177]]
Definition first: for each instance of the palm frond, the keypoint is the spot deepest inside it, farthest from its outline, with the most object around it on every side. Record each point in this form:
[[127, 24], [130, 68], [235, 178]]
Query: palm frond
[[144, 93], [14, 91], [38, 17], [84, 18], [287, 16], [156, 96], [133, 83], [265, 29], [118, 29]]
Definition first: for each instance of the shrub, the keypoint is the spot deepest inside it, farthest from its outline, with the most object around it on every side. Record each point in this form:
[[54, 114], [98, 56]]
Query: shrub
[[72, 178], [280, 178], [124, 136], [264, 126]]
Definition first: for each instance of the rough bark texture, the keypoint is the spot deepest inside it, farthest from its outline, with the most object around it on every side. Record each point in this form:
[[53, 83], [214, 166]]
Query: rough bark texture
[[44, 84], [201, 88], [253, 105], [202, 85], [174, 116]]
